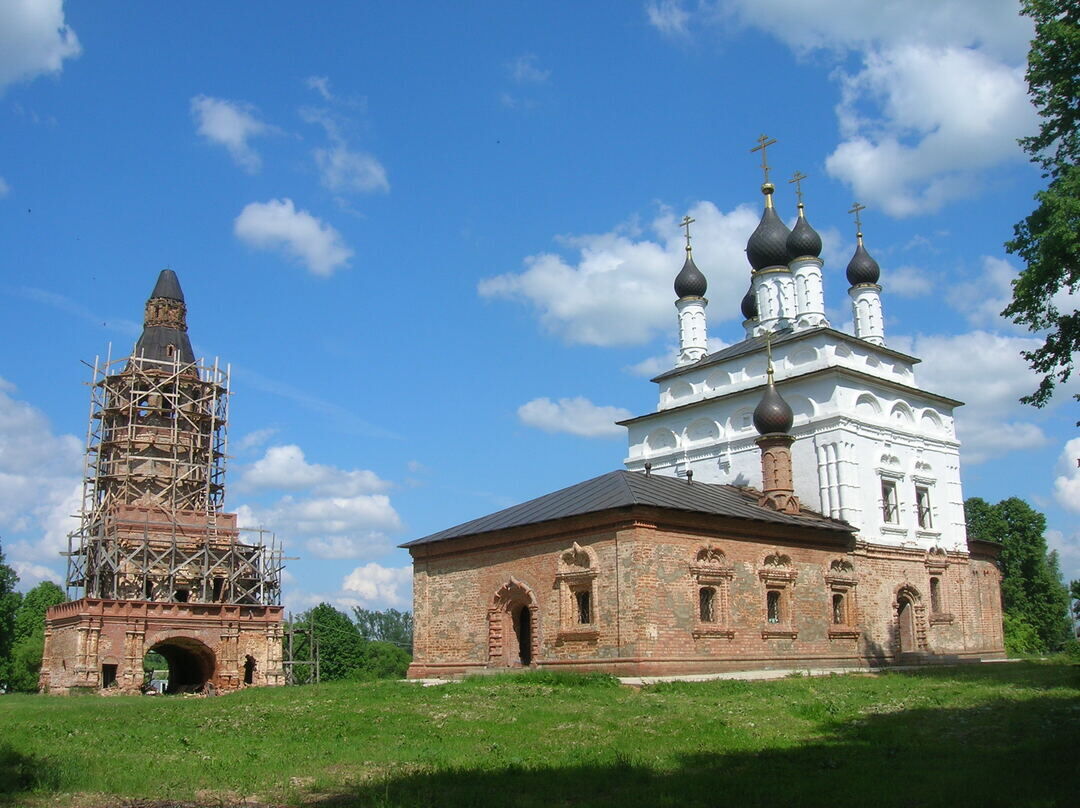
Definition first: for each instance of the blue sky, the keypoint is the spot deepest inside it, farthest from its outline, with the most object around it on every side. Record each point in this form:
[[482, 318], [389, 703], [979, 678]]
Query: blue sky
[[437, 244]]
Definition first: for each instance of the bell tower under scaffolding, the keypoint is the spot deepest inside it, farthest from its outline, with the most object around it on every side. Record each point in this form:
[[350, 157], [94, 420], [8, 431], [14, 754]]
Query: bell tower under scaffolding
[[157, 564]]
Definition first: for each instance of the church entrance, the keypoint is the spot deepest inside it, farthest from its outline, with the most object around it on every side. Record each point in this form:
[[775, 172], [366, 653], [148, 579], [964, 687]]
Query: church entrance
[[906, 616], [512, 630], [523, 632]]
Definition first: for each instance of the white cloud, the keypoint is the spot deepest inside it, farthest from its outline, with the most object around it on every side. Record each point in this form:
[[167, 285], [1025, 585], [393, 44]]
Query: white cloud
[[909, 281], [929, 138], [937, 98], [341, 169], [230, 124], [1067, 481], [321, 85], [34, 39], [1068, 550], [575, 416], [986, 371], [277, 224], [5, 189], [32, 574], [653, 365], [39, 482], [342, 547], [981, 299], [376, 585], [618, 289], [668, 17], [524, 70], [285, 468], [252, 440]]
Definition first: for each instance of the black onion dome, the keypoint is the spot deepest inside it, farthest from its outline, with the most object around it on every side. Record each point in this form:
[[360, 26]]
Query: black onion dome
[[772, 413], [749, 304], [767, 246], [804, 240], [690, 282], [862, 268], [167, 286]]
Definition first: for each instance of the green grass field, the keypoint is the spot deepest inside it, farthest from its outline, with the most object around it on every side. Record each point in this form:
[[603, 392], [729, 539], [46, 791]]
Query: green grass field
[[981, 735]]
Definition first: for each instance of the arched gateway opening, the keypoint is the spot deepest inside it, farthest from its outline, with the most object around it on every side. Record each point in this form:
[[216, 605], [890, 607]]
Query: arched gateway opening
[[907, 600], [512, 629], [191, 664]]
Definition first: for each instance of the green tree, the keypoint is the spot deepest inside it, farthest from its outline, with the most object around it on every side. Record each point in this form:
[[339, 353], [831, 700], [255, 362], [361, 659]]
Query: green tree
[[29, 634], [340, 646], [9, 604], [1074, 594], [1048, 240], [389, 625], [1033, 595]]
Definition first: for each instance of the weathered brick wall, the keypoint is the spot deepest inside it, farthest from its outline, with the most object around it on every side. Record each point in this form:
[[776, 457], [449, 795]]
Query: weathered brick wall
[[646, 609], [84, 635]]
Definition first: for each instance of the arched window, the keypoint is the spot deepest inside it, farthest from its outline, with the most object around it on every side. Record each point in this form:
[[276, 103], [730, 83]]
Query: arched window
[[838, 611], [935, 595], [772, 605], [707, 604]]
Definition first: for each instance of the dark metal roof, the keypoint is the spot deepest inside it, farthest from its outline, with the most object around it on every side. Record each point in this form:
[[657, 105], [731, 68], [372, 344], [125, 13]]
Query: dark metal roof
[[772, 414], [749, 304], [620, 489], [155, 341], [862, 268], [168, 286], [690, 282], [767, 246], [755, 344], [803, 240]]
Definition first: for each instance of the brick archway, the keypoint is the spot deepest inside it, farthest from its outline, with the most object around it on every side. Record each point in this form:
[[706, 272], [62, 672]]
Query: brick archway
[[513, 626], [191, 663]]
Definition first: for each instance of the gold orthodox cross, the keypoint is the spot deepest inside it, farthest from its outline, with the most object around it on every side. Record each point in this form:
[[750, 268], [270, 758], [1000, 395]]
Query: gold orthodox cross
[[763, 142], [686, 222], [797, 178], [858, 222]]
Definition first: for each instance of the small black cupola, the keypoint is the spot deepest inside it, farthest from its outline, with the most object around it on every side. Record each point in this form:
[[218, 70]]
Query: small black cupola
[[803, 241], [690, 282], [164, 337], [749, 304], [767, 246], [862, 268], [772, 414]]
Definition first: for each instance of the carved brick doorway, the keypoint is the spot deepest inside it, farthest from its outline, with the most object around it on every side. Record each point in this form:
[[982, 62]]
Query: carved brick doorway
[[906, 615], [512, 626]]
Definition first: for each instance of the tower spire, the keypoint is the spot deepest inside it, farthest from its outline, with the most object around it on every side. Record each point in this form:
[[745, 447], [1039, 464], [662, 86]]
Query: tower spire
[[690, 286], [863, 274]]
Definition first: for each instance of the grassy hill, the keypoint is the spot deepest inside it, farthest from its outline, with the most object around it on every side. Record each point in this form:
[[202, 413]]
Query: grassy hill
[[1005, 734]]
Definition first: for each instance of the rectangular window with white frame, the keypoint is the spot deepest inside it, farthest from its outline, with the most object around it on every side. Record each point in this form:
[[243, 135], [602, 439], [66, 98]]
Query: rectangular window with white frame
[[890, 510], [922, 506]]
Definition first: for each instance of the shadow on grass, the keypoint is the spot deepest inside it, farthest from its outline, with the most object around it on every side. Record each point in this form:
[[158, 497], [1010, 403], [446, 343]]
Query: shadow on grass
[[1044, 675], [21, 774], [1002, 753]]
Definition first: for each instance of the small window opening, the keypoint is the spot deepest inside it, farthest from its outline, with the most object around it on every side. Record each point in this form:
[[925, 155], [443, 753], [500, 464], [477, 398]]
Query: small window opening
[[707, 604], [922, 503], [584, 606], [838, 609], [249, 670], [181, 595], [935, 595], [889, 510], [170, 350], [108, 675], [148, 590], [219, 588], [772, 606]]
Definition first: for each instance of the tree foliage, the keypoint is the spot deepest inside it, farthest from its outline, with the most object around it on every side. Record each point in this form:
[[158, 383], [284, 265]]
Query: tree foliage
[[1033, 596], [389, 625], [1048, 240], [9, 604], [343, 650], [29, 635]]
